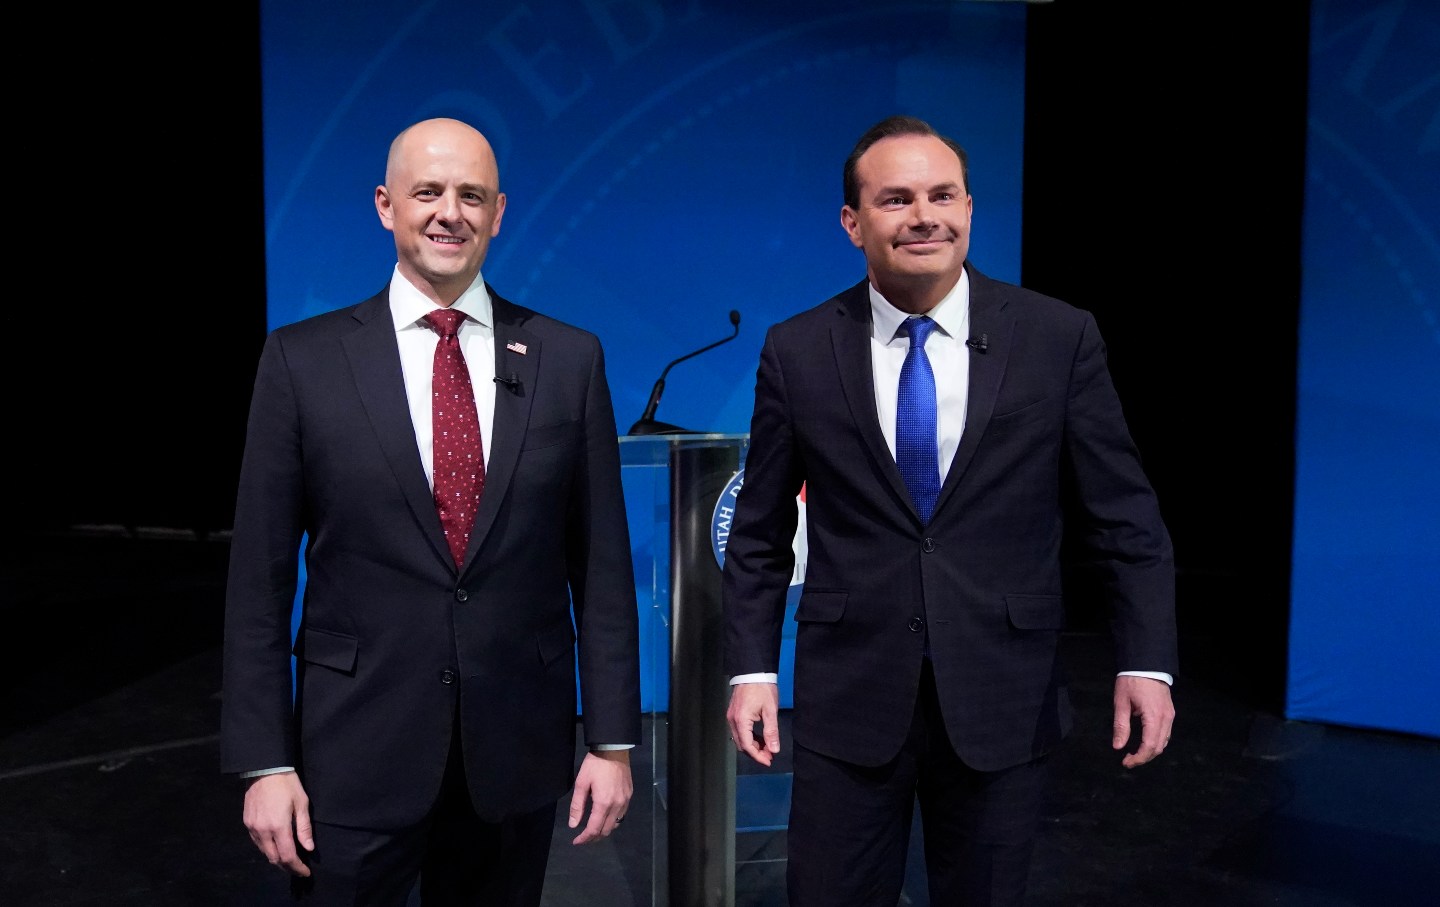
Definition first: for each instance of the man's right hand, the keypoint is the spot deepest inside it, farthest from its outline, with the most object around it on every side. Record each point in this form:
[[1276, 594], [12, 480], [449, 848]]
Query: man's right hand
[[751, 703], [277, 814]]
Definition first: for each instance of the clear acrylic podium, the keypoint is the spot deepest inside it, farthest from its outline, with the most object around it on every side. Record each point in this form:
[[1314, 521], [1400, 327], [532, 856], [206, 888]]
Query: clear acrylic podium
[[672, 485]]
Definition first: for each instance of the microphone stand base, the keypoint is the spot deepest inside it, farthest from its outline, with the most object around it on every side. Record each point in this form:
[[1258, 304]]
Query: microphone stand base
[[652, 427]]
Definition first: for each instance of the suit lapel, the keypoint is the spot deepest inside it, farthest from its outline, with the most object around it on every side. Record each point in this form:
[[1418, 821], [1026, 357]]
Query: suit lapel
[[991, 317], [374, 357], [850, 339], [517, 359]]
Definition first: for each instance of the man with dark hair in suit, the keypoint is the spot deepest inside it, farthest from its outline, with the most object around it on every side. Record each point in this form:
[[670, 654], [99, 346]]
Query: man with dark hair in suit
[[949, 431], [453, 460]]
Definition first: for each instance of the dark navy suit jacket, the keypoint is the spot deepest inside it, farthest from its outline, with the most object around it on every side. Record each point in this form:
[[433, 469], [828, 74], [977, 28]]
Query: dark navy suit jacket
[[395, 643], [1045, 452]]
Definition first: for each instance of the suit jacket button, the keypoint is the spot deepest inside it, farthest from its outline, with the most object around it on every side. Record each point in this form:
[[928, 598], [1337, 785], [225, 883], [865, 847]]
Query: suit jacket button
[[447, 676], [461, 595], [927, 546], [917, 624]]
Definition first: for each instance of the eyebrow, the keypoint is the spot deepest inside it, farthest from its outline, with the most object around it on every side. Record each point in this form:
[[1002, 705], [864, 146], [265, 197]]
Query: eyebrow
[[478, 188], [885, 191]]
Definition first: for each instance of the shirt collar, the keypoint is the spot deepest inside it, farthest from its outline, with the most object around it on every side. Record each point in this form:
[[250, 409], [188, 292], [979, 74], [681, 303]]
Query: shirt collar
[[952, 313], [408, 305]]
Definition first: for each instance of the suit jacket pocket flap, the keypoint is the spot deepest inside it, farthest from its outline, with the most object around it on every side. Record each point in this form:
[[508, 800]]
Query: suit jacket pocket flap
[[1036, 612], [331, 650], [557, 642], [820, 606], [549, 435]]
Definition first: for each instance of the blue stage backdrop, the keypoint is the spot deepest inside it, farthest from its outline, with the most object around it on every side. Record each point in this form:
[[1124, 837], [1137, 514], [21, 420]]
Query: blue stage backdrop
[[664, 162], [1365, 603]]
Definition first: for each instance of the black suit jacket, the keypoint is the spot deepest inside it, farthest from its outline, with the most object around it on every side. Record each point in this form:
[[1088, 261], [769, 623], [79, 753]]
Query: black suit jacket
[[1045, 449], [394, 642]]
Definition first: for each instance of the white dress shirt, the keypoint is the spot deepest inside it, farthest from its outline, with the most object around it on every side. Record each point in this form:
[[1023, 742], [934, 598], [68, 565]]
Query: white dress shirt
[[949, 360], [418, 340]]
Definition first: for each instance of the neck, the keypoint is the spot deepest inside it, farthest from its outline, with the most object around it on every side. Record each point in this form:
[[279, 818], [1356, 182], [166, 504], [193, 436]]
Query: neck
[[915, 294], [441, 292], [914, 299]]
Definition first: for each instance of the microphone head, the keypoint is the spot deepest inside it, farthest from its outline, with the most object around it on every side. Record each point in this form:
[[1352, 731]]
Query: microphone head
[[735, 317]]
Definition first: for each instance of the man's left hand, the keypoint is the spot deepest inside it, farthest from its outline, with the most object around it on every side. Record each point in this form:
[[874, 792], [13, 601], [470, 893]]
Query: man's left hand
[[603, 780], [1148, 700]]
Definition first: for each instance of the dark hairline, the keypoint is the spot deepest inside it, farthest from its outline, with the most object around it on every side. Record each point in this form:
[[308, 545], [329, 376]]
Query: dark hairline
[[889, 128]]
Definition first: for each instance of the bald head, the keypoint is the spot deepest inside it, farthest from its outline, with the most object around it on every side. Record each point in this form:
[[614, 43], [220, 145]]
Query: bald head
[[442, 200], [437, 131]]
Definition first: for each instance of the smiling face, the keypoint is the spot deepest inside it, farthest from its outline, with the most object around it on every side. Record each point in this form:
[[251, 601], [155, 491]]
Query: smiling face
[[912, 219], [442, 200]]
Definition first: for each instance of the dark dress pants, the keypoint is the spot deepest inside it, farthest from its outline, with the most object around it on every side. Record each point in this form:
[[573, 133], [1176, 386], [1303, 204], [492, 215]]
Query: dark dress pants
[[460, 860], [849, 830]]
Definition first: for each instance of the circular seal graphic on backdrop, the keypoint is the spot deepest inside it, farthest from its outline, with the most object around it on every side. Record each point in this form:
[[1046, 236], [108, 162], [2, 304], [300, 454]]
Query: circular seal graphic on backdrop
[[725, 513]]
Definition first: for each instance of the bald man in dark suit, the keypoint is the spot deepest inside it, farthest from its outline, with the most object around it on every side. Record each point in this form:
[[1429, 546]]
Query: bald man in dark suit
[[434, 713]]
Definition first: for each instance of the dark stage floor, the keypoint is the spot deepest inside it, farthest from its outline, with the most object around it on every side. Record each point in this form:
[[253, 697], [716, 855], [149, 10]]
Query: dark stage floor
[[110, 794]]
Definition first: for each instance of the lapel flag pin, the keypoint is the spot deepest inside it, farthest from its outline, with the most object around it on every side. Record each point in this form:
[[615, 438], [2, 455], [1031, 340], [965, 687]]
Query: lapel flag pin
[[516, 346]]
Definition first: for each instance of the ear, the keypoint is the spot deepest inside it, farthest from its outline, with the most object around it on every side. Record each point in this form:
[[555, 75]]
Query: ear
[[384, 209], [851, 225], [499, 215]]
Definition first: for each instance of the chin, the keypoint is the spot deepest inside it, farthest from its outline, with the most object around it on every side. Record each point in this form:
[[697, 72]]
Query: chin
[[930, 267], [447, 267]]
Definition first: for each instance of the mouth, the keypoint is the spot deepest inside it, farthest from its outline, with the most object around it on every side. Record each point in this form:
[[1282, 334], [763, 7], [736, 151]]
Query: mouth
[[921, 245], [446, 240]]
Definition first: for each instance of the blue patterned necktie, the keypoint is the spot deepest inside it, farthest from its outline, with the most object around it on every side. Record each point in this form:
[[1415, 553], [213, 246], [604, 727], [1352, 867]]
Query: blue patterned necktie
[[917, 451]]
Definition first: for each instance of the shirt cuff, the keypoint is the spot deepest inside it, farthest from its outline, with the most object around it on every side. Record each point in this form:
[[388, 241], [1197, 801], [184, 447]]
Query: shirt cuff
[[607, 747], [754, 678], [775, 678], [267, 771], [1153, 675]]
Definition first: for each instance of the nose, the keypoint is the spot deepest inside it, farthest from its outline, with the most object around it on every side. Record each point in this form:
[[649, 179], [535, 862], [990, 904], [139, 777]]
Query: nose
[[449, 207], [922, 214]]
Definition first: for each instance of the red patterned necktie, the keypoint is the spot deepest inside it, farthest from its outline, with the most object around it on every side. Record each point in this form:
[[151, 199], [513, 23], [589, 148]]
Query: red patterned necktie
[[459, 457]]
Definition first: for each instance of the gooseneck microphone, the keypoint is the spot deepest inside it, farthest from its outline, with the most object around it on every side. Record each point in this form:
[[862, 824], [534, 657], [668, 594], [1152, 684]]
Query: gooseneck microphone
[[646, 425]]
